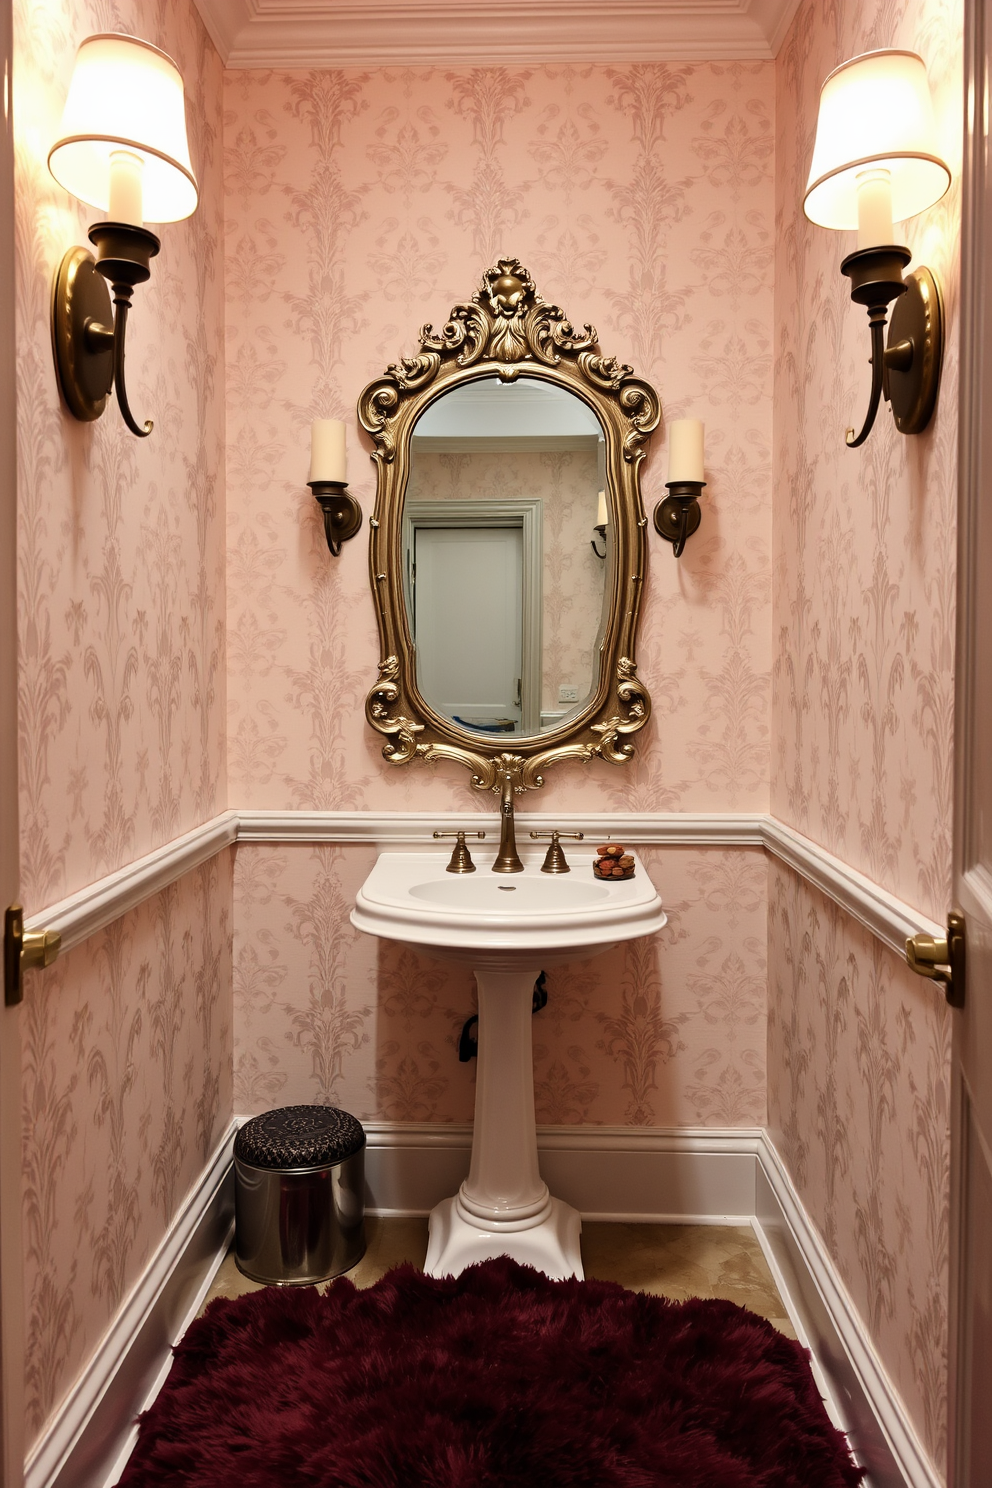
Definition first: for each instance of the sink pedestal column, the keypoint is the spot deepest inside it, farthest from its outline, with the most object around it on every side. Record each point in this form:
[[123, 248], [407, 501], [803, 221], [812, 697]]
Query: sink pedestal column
[[503, 1207]]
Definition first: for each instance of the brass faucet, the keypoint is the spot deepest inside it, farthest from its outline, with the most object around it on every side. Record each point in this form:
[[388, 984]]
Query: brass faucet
[[507, 860]]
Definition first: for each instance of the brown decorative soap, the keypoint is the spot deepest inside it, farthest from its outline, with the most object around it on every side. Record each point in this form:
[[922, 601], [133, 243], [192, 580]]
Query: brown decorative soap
[[612, 862]]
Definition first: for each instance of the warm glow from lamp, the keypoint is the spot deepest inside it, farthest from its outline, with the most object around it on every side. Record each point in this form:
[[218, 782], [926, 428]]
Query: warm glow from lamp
[[122, 146], [874, 160]]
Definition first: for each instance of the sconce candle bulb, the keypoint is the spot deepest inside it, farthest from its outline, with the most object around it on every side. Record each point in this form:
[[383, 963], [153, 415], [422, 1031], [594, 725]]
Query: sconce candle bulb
[[678, 516], [328, 451], [126, 204], [874, 207]]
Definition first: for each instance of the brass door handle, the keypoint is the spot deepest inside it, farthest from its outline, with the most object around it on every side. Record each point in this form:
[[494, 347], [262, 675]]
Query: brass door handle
[[941, 957], [24, 950]]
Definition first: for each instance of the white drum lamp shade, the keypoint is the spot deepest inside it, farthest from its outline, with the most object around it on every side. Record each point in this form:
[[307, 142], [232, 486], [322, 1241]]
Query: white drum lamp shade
[[876, 113], [126, 99]]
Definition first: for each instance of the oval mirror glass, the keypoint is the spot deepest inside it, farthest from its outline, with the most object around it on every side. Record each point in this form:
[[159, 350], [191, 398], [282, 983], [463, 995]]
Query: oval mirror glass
[[506, 546]]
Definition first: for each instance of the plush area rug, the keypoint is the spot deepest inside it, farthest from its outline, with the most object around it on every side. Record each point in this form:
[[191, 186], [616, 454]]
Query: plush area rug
[[499, 1378]]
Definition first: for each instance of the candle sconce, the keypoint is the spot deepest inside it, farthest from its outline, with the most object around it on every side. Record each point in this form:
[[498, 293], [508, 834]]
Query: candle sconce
[[875, 161], [342, 513], [123, 149], [600, 530], [678, 516]]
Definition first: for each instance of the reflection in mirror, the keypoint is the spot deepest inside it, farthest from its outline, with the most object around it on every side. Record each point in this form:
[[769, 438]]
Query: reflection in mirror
[[504, 590]]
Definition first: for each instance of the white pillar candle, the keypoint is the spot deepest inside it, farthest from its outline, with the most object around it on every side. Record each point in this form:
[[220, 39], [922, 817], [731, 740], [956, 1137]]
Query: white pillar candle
[[685, 450], [874, 208], [601, 514], [328, 457], [125, 203]]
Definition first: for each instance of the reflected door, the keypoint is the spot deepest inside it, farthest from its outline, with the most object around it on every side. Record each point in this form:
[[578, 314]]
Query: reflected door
[[467, 604]]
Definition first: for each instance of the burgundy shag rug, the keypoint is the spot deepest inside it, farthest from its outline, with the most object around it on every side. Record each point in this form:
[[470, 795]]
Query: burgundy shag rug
[[499, 1378]]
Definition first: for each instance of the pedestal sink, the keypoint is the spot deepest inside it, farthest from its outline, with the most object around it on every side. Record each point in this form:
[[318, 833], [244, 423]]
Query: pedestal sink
[[508, 931]]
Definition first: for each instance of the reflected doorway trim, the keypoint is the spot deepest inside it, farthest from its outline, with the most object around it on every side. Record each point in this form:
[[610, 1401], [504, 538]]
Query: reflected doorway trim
[[526, 513]]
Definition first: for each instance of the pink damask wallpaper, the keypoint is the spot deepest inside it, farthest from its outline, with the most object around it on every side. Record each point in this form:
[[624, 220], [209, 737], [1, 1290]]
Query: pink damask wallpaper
[[864, 539], [662, 1032], [127, 1091], [864, 579], [127, 1040], [361, 204], [121, 556], [858, 1051]]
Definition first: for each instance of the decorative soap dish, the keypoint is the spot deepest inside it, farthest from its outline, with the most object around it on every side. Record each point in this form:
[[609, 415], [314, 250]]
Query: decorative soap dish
[[612, 862]]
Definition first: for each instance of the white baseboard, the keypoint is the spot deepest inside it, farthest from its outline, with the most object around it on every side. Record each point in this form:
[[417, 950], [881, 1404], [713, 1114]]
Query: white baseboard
[[606, 1172], [829, 1323], [94, 1421], [689, 1176]]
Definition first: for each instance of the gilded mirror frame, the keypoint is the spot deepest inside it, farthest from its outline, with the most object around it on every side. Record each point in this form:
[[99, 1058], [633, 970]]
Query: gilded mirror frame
[[507, 331]]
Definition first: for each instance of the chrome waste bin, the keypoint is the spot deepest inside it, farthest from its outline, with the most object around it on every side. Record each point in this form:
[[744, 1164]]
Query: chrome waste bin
[[299, 1195]]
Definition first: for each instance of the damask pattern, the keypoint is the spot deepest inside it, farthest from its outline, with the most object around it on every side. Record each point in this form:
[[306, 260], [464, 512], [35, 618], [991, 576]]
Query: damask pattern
[[858, 1050], [360, 205], [121, 558], [356, 206], [864, 539], [126, 1041], [126, 1092], [863, 703], [662, 1032]]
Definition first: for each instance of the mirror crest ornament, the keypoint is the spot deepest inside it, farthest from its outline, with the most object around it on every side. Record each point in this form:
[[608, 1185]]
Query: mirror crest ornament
[[506, 330]]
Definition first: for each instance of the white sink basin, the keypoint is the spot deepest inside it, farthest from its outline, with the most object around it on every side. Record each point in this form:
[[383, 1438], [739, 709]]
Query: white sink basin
[[508, 927], [411, 897]]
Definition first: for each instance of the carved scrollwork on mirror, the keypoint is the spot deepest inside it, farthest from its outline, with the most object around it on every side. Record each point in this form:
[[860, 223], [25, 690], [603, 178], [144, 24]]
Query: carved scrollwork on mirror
[[493, 447]]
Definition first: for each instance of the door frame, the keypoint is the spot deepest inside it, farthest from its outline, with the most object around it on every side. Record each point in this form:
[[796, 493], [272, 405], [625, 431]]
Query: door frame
[[527, 513], [11, 1249], [972, 1036]]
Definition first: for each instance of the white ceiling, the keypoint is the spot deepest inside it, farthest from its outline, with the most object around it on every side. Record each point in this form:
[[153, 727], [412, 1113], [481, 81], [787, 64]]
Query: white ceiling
[[375, 33]]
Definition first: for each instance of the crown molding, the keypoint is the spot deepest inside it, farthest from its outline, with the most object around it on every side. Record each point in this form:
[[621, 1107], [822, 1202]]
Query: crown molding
[[360, 33]]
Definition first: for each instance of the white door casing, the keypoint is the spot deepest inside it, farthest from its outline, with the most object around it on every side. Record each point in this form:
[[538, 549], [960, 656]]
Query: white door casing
[[11, 1274], [970, 1425]]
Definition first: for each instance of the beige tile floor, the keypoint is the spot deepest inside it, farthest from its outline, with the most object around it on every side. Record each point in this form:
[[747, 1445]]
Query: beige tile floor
[[676, 1261]]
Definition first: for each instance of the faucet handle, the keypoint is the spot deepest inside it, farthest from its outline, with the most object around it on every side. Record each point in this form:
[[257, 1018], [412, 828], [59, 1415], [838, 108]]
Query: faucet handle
[[461, 858], [554, 860]]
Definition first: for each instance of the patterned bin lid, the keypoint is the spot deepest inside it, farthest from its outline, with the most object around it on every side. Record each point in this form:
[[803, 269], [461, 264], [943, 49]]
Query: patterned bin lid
[[299, 1137]]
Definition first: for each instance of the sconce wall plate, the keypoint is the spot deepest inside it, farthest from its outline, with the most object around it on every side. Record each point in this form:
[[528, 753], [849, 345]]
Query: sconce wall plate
[[84, 361], [342, 513], [914, 379], [678, 516]]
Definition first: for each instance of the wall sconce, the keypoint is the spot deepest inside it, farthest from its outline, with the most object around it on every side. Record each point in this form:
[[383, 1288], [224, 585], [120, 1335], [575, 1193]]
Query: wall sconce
[[874, 161], [602, 522], [678, 516], [123, 149], [329, 483]]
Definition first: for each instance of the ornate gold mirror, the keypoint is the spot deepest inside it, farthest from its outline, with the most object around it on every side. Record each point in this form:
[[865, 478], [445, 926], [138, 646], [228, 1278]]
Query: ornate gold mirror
[[508, 541]]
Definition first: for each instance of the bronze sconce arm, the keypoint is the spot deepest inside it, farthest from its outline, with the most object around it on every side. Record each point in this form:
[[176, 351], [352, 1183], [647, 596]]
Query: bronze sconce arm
[[678, 516], [342, 513], [906, 372], [88, 334]]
